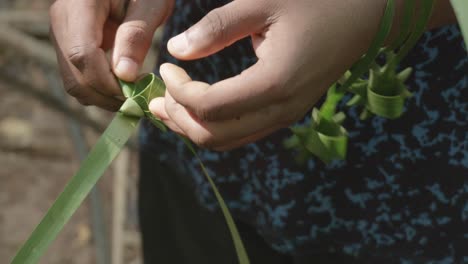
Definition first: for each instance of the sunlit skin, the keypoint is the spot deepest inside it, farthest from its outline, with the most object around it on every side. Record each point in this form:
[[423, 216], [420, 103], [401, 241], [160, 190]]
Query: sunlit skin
[[302, 47]]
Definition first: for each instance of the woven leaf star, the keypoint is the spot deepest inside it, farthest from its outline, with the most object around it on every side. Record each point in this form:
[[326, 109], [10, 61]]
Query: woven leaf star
[[138, 95], [324, 138], [385, 92]]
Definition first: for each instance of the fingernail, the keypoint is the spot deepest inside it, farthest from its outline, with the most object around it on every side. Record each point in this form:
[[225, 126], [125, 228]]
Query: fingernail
[[153, 105], [156, 107], [126, 69], [162, 70], [178, 44]]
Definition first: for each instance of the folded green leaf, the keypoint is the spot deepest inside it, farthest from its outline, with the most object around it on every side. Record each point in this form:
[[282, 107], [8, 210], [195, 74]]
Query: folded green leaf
[[384, 93], [106, 149], [385, 106], [325, 138], [142, 92]]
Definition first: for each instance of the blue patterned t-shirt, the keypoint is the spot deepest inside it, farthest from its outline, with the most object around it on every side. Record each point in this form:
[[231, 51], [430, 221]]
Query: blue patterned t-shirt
[[401, 194]]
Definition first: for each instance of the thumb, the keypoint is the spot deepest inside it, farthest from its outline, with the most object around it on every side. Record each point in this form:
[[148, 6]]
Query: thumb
[[220, 28], [134, 36]]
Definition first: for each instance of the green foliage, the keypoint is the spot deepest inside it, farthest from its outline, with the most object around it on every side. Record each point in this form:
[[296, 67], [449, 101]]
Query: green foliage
[[324, 138], [139, 95], [109, 145], [382, 94]]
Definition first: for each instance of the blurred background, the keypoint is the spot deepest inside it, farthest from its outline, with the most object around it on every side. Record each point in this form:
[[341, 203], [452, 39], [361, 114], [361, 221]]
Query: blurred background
[[43, 135]]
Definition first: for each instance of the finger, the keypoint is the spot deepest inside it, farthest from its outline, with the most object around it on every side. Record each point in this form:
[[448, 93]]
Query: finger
[[110, 28], [88, 96], [118, 9], [91, 97], [215, 134], [78, 36], [158, 109], [134, 36], [220, 28], [255, 88], [96, 72], [78, 88]]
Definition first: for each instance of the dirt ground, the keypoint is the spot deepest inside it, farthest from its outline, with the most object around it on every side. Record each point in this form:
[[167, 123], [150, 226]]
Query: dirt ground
[[31, 181], [37, 157]]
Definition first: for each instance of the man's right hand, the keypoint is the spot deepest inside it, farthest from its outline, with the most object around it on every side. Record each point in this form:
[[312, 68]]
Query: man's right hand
[[82, 32]]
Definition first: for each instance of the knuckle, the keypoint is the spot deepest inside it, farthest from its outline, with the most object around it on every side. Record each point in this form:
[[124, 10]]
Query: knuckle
[[206, 113], [85, 100], [73, 88], [136, 34], [216, 25], [80, 55]]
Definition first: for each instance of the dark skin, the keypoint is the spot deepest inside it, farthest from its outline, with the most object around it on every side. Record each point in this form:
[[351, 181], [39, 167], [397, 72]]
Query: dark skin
[[84, 30], [303, 46]]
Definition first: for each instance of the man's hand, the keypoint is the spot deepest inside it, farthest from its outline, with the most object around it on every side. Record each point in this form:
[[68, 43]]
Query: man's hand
[[302, 48], [83, 30]]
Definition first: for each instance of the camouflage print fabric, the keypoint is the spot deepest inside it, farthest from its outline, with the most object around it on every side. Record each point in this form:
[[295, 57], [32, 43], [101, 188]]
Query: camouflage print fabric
[[401, 195]]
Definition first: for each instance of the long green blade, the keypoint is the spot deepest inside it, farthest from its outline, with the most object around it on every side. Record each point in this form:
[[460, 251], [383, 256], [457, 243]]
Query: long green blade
[[236, 239], [138, 96], [92, 168], [405, 26], [365, 62], [461, 10], [328, 108], [427, 7]]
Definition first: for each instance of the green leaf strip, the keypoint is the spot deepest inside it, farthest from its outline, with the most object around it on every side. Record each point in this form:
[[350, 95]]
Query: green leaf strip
[[106, 149], [405, 27], [364, 64], [385, 106], [108, 146], [427, 7], [328, 108], [239, 246]]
